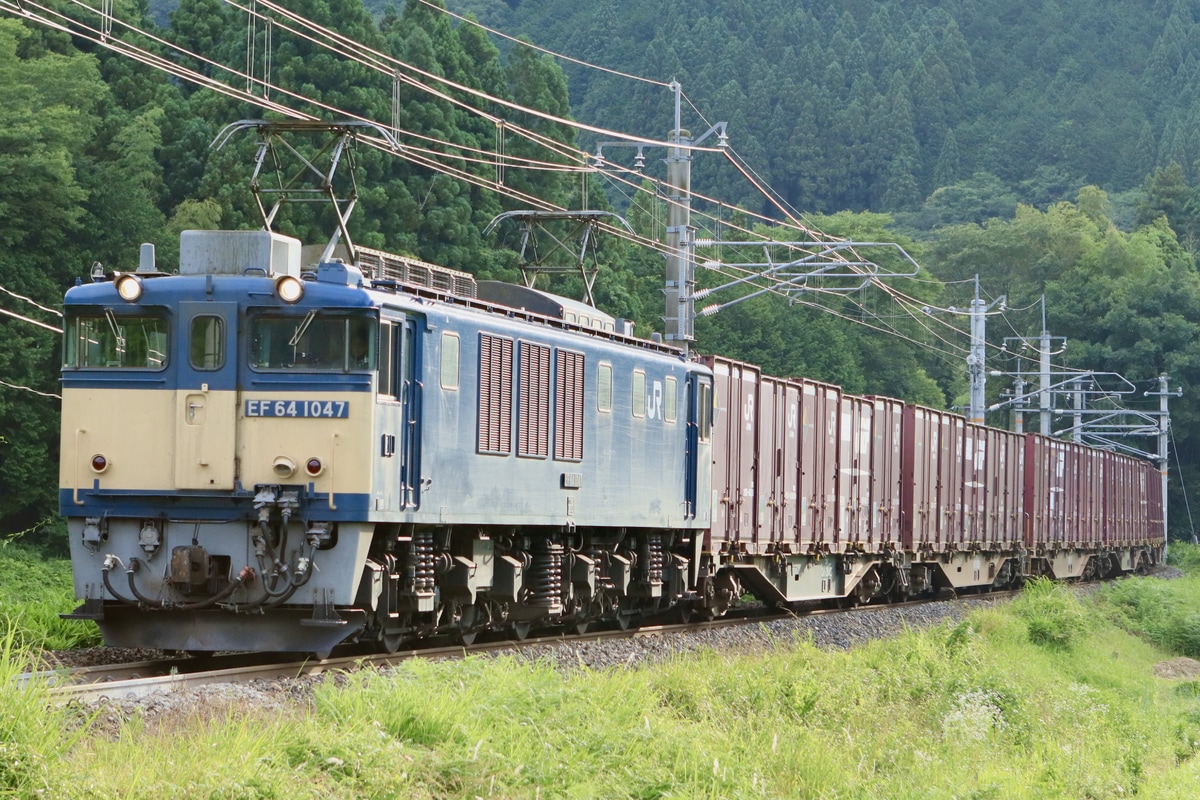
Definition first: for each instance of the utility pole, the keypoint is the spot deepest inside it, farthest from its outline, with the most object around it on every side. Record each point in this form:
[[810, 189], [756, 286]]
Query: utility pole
[[1046, 386], [1077, 405], [978, 354], [1044, 362], [1164, 434], [1019, 385], [679, 321]]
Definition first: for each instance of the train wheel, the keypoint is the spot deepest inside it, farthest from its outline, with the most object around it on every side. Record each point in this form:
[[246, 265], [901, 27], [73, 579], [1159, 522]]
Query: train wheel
[[391, 643], [466, 624], [626, 620], [521, 630]]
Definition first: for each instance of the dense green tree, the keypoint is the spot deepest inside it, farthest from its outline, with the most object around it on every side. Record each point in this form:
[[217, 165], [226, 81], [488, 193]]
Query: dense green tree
[[49, 103], [1165, 193]]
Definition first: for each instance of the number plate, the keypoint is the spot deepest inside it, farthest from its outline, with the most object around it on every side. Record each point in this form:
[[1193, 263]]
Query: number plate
[[325, 409]]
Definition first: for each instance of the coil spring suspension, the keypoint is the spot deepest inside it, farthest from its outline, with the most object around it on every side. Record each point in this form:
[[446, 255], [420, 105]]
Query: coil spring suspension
[[544, 577], [421, 561]]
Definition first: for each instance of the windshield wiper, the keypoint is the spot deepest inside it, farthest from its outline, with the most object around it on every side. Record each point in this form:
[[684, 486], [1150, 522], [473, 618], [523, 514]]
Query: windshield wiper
[[112, 323], [301, 328]]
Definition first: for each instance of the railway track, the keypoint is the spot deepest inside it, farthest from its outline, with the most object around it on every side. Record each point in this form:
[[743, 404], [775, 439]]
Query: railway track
[[142, 678]]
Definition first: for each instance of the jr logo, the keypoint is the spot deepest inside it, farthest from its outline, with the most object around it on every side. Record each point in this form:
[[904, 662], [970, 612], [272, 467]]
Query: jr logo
[[654, 401], [748, 412]]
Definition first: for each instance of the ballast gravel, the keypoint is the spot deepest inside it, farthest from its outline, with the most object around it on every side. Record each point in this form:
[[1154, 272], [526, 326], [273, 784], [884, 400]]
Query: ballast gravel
[[294, 695]]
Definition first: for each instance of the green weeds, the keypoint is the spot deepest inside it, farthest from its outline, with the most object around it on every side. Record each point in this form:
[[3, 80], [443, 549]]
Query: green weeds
[[34, 590], [34, 735], [1029, 700], [1167, 612], [1186, 556], [1052, 613]]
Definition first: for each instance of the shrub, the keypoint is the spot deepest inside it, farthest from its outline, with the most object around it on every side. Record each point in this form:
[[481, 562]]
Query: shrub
[[1186, 556], [1052, 614], [34, 590], [1166, 612]]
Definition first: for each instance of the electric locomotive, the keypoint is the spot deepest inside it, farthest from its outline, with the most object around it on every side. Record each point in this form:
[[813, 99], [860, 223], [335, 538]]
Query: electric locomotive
[[263, 455]]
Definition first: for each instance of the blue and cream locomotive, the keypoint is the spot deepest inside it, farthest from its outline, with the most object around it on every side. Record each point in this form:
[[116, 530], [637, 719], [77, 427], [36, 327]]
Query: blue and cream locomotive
[[256, 457]]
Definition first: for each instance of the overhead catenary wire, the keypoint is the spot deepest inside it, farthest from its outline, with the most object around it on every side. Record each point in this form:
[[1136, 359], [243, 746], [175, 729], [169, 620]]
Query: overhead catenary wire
[[426, 157], [530, 45], [429, 162], [31, 321], [380, 61], [157, 62], [429, 158], [30, 390], [32, 302], [358, 48]]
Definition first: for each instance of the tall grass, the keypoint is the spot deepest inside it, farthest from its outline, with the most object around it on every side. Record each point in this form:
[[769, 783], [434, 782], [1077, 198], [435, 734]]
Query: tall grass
[[34, 590], [1167, 612], [35, 736], [1052, 613], [1021, 701], [1186, 556]]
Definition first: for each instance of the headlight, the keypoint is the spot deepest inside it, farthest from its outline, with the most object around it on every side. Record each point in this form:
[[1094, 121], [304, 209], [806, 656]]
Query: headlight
[[129, 287], [289, 289], [284, 467]]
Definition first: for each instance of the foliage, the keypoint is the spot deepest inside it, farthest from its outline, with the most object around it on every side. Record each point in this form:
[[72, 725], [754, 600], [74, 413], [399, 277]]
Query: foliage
[[35, 734], [1127, 302], [1186, 556], [1052, 614], [34, 590], [968, 705], [1166, 612], [879, 105], [49, 105], [985, 138]]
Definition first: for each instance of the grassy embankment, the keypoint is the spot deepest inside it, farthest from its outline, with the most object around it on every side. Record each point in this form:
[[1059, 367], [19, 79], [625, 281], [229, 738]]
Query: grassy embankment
[[1048, 696], [34, 590]]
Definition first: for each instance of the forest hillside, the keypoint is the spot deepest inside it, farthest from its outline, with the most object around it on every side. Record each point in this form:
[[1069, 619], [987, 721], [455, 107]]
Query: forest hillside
[[1049, 148]]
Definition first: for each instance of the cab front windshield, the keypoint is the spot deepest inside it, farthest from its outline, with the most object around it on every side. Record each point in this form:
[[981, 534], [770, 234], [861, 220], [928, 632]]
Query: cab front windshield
[[106, 340], [317, 341]]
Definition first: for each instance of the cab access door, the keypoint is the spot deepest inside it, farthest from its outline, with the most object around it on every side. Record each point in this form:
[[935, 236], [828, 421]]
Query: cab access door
[[206, 395]]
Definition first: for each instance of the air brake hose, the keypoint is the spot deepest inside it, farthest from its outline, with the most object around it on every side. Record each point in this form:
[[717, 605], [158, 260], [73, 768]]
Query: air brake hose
[[108, 565], [244, 577]]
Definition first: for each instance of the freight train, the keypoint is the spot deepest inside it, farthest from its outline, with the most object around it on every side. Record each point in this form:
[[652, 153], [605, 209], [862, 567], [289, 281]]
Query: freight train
[[264, 455]]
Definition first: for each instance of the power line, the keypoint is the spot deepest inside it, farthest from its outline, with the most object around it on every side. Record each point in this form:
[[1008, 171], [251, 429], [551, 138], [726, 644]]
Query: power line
[[15, 315], [33, 303], [32, 391], [420, 156], [157, 62], [530, 45]]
